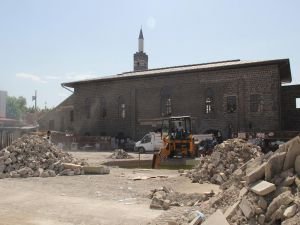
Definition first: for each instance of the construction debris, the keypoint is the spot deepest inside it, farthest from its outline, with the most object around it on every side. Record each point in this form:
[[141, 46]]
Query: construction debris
[[120, 154], [225, 159], [34, 156], [275, 198], [164, 198], [96, 169]]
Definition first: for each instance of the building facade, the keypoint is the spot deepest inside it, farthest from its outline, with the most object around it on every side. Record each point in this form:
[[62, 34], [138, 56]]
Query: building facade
[[3, 95], [230, 96]]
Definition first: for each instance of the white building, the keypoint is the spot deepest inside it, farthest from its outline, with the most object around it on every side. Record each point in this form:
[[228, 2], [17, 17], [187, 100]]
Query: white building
[[3, 95]]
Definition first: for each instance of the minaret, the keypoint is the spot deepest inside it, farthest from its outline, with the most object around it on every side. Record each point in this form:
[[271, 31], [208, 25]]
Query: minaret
[[140, 58]]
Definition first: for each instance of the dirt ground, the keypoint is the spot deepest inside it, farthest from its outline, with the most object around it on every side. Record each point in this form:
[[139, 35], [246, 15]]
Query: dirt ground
[[88, 199]]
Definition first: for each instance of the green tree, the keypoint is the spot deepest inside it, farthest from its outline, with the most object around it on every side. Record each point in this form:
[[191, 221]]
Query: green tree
[[15, 107]]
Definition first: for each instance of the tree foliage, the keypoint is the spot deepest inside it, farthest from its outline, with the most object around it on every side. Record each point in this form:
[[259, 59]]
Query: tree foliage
[[15, 107]]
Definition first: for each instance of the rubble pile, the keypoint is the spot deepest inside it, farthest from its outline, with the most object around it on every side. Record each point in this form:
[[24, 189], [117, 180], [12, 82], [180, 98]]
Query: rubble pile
[[271, 193], [34, 156], [164, 198], [225, 159], [120, 154]]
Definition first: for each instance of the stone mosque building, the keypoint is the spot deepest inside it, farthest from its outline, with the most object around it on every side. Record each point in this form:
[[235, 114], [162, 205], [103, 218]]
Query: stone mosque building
[[229, 96]]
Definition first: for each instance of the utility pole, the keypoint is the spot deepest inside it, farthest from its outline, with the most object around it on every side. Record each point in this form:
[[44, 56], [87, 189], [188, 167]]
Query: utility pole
[[34, 98]]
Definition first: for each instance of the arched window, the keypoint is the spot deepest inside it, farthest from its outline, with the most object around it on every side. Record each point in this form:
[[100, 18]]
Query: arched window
[[208, 105], [209, 97], [102, 108], [166, 101], [87, 108], [121, 108]]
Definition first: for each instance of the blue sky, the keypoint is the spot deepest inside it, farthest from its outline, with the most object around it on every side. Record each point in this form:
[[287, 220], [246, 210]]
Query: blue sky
[[44, 43]]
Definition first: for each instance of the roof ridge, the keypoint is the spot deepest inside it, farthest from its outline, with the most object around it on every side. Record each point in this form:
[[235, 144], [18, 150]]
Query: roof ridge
[[186, 65]]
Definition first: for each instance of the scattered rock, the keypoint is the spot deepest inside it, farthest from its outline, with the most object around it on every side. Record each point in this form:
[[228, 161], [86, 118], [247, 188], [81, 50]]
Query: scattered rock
[[120, 154], [290, 211], [247, 208]]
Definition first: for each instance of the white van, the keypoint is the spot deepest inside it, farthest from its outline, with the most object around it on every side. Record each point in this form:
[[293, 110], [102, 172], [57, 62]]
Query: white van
[[150, 142]]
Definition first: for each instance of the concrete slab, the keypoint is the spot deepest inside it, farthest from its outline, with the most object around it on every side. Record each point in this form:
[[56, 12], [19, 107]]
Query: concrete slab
[[216, 218], [292, 149], [256, 174], [262, 188], [274, 165]]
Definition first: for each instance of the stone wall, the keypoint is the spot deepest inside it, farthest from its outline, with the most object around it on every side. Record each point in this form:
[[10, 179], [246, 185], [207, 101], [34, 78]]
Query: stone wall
[[99, 106], [290, 114]]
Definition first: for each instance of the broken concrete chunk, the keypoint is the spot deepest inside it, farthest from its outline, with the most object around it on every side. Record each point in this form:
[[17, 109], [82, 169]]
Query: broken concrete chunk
[[96, 170], [288, 181], [247, 208], [292, 149], [283, 199], [261, 219], [216, 218], [274, 165], [71, 166], [262, 188], [256, 174], [262, 203], [290, 211], [156, 203]]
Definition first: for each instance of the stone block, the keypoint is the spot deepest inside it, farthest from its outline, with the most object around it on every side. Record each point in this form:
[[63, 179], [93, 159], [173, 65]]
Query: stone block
[[96, 170], [274, 165], [290, 211], [246, 208], [292, 149], [71, 166], [262, 188], [216, 218], [256, 174], [288, 181]]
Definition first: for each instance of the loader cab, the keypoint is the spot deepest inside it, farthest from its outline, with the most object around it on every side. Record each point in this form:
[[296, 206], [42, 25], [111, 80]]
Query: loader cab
[[176, 127]]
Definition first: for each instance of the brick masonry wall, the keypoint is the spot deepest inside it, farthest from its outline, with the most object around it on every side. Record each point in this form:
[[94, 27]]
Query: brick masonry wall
[[142, 97], [290, 114]]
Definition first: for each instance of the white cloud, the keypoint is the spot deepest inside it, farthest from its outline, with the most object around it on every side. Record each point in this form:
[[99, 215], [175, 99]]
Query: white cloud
[[151, 22], [32, 77]]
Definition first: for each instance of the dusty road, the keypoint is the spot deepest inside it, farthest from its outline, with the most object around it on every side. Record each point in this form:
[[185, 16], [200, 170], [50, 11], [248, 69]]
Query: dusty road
[[87, 200]]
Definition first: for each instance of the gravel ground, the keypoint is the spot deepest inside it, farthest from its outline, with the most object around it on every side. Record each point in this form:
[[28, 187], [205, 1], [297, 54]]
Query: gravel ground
[[88, 200]]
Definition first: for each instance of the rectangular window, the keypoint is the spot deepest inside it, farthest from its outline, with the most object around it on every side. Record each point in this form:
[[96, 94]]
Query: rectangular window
[[297, 103], [71, 115], [255, 103], [231, 104]]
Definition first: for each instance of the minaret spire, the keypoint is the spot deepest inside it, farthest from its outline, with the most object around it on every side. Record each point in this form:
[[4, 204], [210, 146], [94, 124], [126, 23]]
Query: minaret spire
[[140, 58], [141, 41]]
